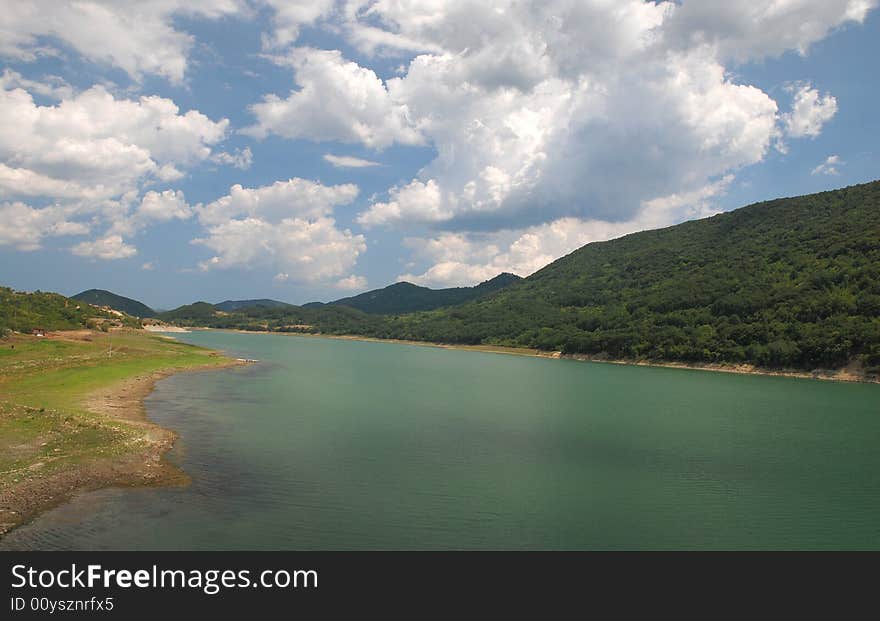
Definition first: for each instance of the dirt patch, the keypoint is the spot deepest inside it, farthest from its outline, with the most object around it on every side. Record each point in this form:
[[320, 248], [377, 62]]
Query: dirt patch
[[854, 372]]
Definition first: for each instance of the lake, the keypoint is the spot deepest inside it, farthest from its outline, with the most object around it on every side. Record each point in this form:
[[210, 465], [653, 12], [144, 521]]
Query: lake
[[338, 444]]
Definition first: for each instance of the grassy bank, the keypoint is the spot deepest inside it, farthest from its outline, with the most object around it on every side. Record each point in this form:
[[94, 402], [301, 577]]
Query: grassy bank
[[71, 416]]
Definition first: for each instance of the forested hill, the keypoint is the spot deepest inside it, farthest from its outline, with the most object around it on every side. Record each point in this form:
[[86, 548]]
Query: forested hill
[[233, 305], [22, 311], [100, 297], [788, 282], [405, 297], [197, 313]]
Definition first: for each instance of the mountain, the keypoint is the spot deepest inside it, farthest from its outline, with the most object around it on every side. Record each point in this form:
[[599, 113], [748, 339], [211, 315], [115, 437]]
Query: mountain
[[22, 311], [232, 305], [405, 297], [787, 282], [197, 313], [99, 297]]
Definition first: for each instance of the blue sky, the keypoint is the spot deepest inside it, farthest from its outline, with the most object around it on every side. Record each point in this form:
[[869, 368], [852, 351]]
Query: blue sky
[[499, 136]]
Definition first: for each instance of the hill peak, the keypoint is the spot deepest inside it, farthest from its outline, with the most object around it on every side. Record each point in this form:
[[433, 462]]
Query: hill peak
[[102, 297]]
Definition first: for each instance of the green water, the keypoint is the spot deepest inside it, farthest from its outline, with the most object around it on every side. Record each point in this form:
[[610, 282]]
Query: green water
[[329, 444]]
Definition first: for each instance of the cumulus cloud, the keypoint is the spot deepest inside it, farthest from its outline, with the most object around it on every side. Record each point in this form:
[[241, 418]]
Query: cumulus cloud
[[240, 158], [283, 199], [584, 146], [163, 206], [154, 208], [829, 167], [92, 154], [351, 283], [108, 248], [347, 161], [336, 100], [53, 87], [416, 201], [103, 144], [138, 37], [741, 30], [291, 15], [287, 227], [23, 227], [809, 112]]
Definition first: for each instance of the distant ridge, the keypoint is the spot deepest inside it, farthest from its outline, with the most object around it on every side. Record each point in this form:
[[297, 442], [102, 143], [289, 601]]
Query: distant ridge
[[189, 313], [101, 297], [231, 305], [405, 297]]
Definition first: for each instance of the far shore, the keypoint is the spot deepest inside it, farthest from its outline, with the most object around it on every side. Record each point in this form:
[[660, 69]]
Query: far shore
[[847, 374]]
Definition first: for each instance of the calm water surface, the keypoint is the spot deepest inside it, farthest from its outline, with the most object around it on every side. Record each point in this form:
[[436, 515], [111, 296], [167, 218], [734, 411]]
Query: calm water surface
[[331, 444]]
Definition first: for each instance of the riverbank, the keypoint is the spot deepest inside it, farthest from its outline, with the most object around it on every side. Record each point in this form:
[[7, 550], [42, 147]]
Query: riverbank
[[72, 416], [850, 373]]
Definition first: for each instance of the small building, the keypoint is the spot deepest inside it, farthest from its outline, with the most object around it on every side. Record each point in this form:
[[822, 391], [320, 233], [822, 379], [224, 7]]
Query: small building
[[38, 332]]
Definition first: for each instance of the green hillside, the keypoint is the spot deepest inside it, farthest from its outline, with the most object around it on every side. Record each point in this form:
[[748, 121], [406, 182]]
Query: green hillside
[[21, 311], [100, 297], [233, 305], [788, 282], [405, 297], [198, 313]]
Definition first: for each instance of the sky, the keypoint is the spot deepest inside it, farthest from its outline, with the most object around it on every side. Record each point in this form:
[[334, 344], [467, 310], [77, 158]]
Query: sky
[[183, 150]]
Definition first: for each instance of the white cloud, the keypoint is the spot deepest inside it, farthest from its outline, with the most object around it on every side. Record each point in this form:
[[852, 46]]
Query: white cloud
[[287, 227], [164, 206], [289, 16], [538, 110], [292, 198], [241, 158], [351, 283], [310, 250], [109, 247], [336, 100], [49, 86], [148, 266], [92, 154], [155, 207], [347, 161], [809, 112], [829, 167], [103, 144], [587, 148], [138, 37], [744, 30], [23, 227], [415, 201]]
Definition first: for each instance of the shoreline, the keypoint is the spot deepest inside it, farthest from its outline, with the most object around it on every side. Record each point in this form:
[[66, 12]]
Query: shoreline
[[144, 465], [847, 374]]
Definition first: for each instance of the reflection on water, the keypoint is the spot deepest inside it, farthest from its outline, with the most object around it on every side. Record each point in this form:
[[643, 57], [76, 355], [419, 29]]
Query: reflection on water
[[330, 444]]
